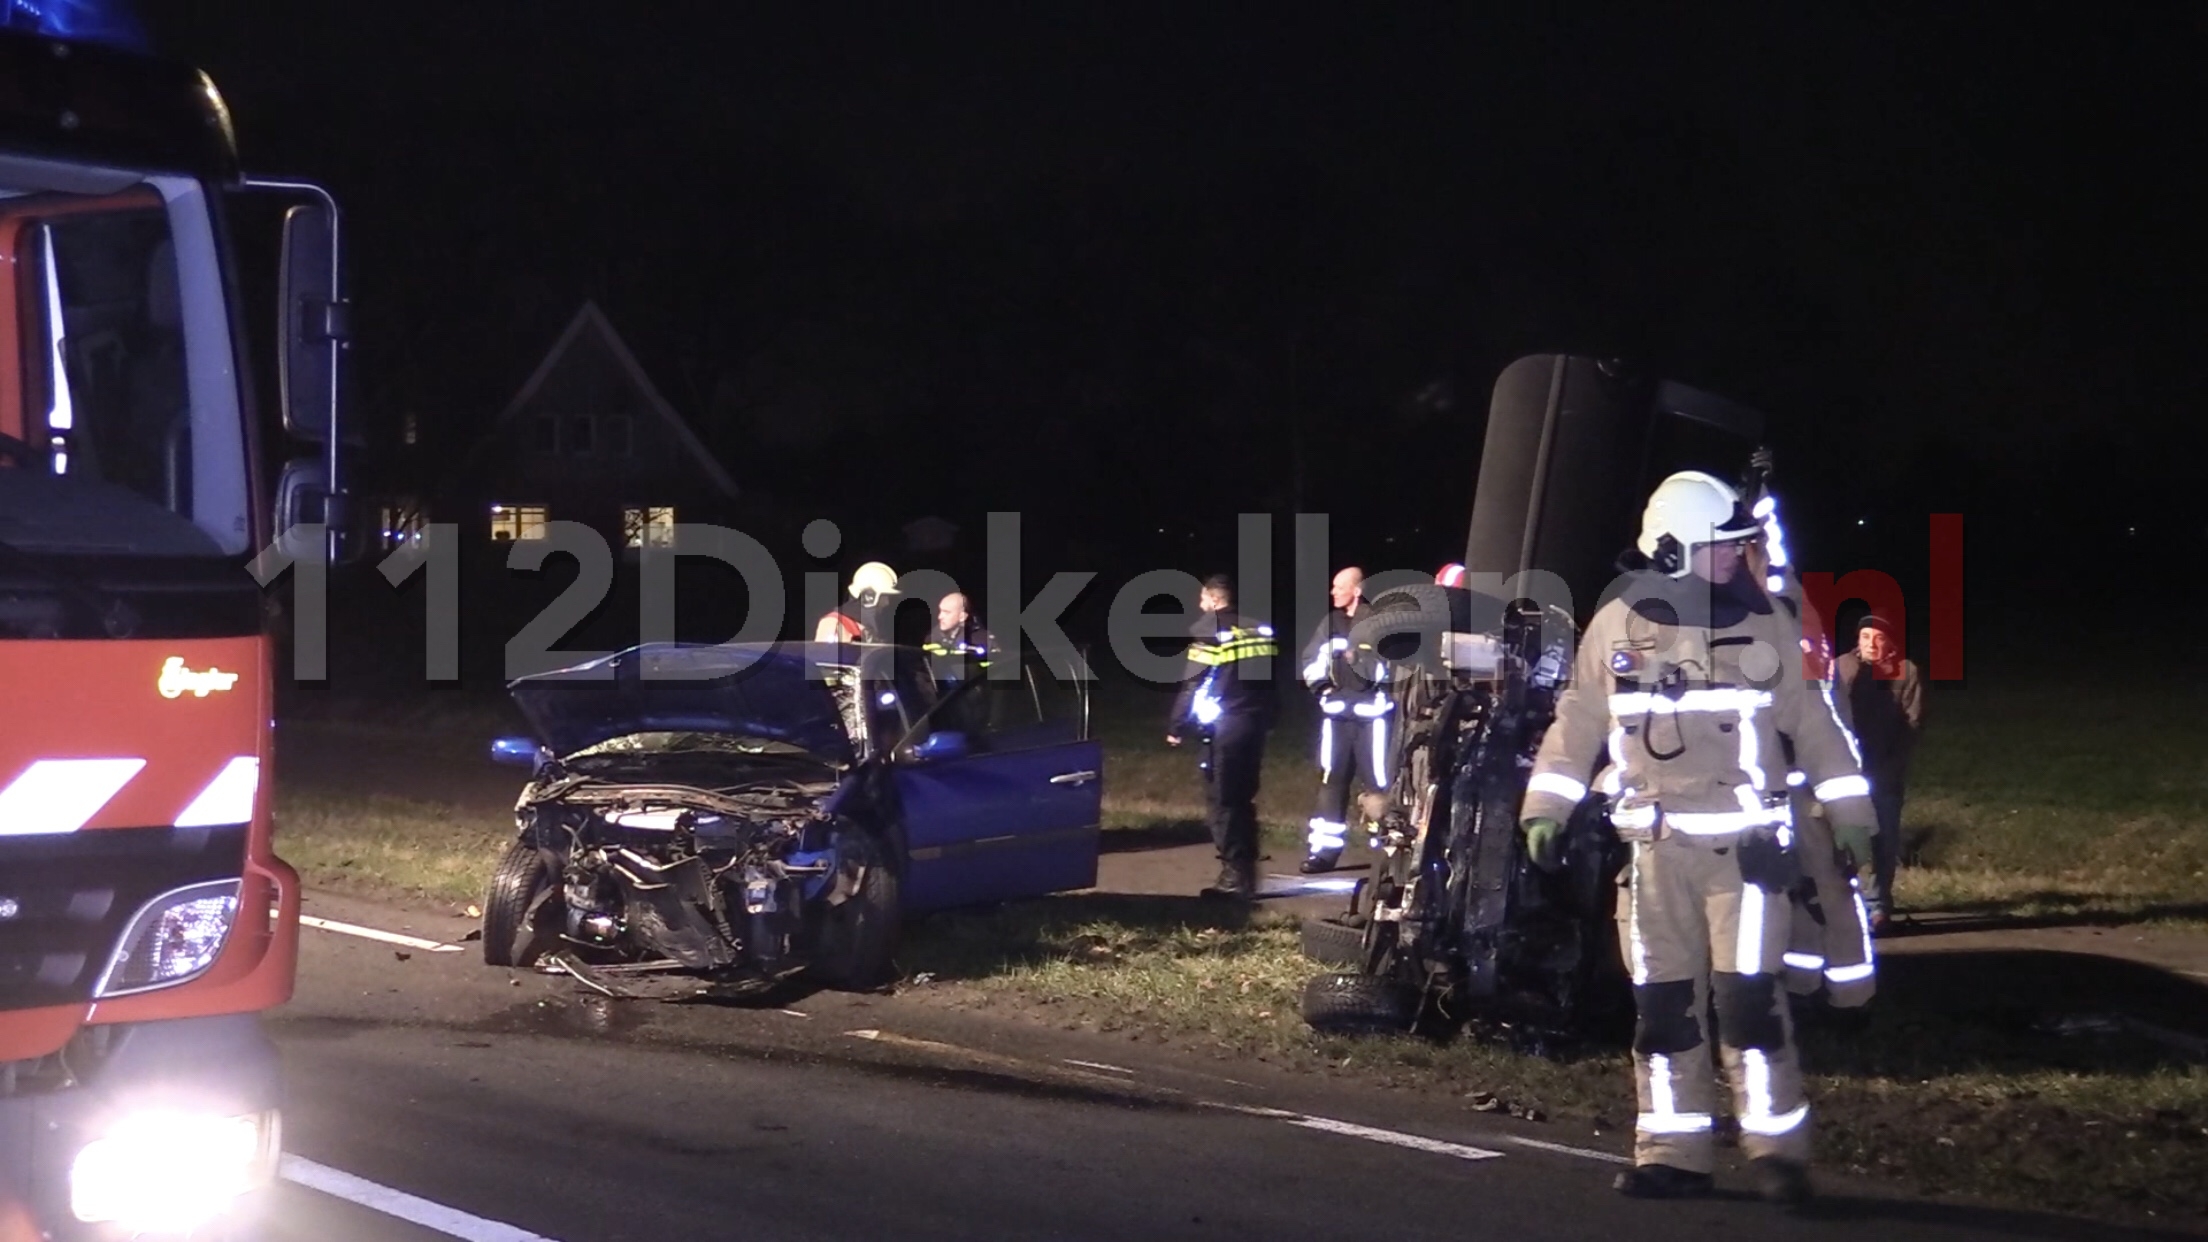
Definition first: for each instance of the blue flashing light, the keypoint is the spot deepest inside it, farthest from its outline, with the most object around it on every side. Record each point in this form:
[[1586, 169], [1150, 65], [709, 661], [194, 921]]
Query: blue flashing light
[[111, 23]]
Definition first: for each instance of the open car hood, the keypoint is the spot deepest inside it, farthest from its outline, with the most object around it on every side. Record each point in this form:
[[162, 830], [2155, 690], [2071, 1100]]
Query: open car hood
[[772, 692]]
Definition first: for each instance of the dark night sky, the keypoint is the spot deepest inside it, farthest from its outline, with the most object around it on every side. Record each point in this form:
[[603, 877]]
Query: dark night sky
[[1921, 235]]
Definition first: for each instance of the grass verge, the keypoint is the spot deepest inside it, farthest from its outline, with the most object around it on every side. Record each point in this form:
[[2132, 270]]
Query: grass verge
[[390, 846]]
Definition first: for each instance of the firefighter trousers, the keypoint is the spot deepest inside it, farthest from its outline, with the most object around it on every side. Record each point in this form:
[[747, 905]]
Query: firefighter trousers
[[1232, 761], [1830, 944], [1350, 749], [1705, 918]]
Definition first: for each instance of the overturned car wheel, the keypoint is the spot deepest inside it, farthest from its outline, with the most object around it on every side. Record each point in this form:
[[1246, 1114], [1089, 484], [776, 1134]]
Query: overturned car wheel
[[1336, 944], [1346, 1004], [857, 936], [521, 888], [1401, 621]]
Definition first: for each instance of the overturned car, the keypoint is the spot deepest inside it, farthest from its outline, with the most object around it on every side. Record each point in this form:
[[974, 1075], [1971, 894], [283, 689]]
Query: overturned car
[[733, 817], [1454, 922]]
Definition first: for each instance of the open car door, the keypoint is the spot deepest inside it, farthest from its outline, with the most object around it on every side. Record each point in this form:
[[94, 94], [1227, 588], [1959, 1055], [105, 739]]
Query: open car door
[[1003, 797]]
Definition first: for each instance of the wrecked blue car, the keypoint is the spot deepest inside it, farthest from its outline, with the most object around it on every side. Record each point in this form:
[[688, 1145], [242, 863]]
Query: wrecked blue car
[[746, 814]]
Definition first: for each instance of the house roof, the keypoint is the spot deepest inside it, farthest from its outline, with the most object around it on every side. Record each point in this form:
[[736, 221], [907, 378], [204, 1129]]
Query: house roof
[[590, 319]]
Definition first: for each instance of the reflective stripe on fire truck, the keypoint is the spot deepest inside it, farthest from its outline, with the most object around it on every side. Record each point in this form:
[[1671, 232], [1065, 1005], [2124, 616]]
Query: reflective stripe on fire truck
[[227, 799], [62, 795]]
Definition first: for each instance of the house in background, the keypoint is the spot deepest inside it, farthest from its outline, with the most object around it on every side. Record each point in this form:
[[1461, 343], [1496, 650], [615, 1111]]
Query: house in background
[[587, 439]]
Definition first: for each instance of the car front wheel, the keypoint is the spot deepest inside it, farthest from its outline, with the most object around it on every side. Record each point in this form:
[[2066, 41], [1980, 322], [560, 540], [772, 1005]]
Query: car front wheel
[[856, 937], [521, 888]]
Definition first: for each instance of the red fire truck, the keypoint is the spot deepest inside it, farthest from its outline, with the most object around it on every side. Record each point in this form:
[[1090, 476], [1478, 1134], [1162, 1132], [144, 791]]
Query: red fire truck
[[145, 921]]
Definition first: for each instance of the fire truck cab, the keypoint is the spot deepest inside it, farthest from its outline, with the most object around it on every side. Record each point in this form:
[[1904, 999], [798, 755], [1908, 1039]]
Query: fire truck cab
[[144, 919]]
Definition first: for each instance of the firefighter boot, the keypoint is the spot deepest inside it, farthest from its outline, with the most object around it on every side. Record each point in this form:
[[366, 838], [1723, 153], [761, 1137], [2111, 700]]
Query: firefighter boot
[[1236, 882], [1323, 841], [1663, 1181]]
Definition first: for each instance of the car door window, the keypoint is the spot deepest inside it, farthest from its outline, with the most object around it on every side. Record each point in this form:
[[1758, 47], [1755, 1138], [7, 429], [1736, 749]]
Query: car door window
[[1040, 708]]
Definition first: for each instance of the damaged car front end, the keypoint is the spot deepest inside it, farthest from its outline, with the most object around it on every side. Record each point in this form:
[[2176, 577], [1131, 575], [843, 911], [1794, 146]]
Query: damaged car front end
[[699, 814], [734, 817]]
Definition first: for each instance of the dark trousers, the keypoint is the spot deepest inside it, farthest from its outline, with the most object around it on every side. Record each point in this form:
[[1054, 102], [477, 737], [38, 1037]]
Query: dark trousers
[[1886, 795], [1234, 756], [1349, 749]]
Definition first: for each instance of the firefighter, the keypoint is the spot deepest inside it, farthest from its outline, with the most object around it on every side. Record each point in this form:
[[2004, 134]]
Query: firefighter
[[1829, 946], [1691, 680], [1354, 712], [860, 619], [1227, 697]]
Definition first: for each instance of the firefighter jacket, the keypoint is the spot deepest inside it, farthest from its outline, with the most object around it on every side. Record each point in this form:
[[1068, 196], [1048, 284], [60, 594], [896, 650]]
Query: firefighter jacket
[[1228, 672], [1347, 682], [1691, 692]]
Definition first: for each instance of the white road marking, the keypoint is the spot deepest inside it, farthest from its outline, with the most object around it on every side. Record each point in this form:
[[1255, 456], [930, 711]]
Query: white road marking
[[1350, 1129], [1099, 1065], [370, 933], [451, 1222], [1561, 1149], [1326, 1125]]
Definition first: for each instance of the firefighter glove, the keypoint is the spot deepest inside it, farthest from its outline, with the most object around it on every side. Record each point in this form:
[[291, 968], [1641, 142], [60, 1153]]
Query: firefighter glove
[[1544, 842], [1854, 840]]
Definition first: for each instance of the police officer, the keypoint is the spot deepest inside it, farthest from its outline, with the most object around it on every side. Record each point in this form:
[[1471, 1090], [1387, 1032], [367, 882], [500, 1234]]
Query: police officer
[[959, 633], [1353, 721], [1691, 680], [1227, 696]]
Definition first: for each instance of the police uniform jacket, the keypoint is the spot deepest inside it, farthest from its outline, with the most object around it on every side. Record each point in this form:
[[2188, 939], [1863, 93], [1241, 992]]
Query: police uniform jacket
[[1228, 672]]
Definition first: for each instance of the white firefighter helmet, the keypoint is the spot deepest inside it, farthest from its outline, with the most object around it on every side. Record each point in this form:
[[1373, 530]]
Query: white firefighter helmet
[[1689, 508], [871, 581]]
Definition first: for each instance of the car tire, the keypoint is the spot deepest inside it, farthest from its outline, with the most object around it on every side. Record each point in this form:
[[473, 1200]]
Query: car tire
[[1347, 1004], [855, 941], [1333, 943], [1400, 621], [521, 887]]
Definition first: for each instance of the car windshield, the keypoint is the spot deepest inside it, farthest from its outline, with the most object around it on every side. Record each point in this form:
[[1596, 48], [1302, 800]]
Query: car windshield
[[122, 442]]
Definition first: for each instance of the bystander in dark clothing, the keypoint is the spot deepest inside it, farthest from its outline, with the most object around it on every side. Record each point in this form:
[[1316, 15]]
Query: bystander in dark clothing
[[1880, 694]]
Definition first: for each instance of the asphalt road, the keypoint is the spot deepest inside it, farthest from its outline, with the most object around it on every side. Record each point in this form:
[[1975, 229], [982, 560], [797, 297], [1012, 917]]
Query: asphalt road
[[505, 1105]]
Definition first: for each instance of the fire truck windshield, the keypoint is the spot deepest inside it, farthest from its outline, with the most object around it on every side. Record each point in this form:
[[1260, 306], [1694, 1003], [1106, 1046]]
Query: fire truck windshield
[[122, 436]]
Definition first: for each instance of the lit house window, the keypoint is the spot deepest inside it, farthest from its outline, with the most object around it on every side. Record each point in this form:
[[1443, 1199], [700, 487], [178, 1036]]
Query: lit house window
[[512, 522], [649, 527]]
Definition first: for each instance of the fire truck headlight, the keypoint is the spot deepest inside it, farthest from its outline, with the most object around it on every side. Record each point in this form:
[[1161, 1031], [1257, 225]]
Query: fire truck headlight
[[168, 1172], [173, 937]]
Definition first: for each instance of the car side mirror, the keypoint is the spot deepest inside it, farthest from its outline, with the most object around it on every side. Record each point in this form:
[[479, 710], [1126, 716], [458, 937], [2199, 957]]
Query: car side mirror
[[945, 744], [523, 752]]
